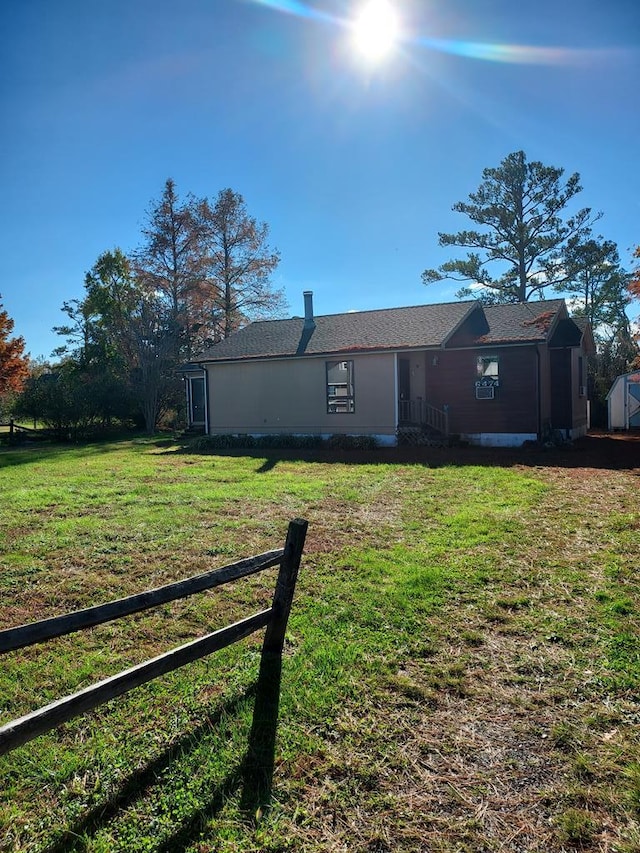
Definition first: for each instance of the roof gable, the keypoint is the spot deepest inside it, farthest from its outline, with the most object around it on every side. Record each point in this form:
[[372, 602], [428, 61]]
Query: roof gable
[[587, 339]]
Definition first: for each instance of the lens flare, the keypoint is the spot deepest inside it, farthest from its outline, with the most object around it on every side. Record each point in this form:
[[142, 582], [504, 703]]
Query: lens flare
[[512, 53], [302, 10], [376, 37]]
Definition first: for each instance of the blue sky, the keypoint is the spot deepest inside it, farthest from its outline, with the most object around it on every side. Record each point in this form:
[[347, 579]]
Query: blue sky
[[354, 166]]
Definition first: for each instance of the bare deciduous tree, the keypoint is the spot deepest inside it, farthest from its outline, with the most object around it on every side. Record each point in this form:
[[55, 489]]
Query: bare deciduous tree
[[239, 263]]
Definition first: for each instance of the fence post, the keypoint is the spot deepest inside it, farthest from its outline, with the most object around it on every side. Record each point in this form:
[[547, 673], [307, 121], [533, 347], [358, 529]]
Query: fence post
[[10, 429], [260, 758], [285, 587]]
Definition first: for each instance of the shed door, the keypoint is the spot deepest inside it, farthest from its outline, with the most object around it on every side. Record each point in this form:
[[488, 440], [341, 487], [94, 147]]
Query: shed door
[[634, 404]]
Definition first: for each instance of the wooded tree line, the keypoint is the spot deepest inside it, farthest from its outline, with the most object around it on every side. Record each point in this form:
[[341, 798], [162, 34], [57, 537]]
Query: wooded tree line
[[202, 271], [204, 268]]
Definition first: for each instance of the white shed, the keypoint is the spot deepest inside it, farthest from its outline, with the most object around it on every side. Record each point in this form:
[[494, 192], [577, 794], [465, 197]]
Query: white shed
[[623, 402]]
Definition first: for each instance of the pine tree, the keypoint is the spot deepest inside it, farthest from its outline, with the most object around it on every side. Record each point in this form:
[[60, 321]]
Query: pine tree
[[518, 206]]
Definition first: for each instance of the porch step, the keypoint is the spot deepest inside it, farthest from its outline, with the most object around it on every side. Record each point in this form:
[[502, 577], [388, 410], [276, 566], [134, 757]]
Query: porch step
[[409, 436], [192, 431]]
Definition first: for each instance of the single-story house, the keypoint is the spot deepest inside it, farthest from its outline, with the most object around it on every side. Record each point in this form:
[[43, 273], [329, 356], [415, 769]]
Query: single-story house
[[623, 402], [494, 376]]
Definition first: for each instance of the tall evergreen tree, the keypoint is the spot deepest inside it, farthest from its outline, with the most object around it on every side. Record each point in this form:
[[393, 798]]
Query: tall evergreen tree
[[597, 288], [518, 207], [596, 284]]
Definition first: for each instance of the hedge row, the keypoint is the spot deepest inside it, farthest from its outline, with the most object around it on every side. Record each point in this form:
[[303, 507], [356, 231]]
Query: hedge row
[[210, 443]]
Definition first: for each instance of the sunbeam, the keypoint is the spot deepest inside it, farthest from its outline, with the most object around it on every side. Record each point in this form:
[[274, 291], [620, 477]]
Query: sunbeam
[[484, 51]]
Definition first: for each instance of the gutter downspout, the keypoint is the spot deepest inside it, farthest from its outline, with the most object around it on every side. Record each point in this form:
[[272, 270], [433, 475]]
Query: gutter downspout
[[538, 394], [187, 399], [396, 403], [206, 399]]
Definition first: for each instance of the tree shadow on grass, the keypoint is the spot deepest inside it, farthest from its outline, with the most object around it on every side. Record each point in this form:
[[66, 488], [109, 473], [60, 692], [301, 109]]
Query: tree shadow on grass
[[252, 776], [14, 455]]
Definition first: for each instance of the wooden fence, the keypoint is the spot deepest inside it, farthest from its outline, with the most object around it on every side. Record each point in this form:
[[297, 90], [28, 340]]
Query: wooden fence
[[274, 619], [18, 432]]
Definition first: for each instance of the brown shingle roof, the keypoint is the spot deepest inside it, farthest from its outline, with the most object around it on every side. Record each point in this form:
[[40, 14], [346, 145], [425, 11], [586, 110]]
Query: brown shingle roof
[[414, 327], [521, 322], [361, 331]]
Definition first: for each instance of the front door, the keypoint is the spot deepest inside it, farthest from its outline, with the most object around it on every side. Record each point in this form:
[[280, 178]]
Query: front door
[[197, 400], [404, 389]]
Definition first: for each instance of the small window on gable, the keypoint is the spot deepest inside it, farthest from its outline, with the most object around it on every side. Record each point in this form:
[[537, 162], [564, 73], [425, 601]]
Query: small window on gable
[[340, 389]]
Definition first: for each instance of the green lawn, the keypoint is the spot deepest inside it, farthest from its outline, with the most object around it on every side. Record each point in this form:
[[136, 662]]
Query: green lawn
[[461, 672]]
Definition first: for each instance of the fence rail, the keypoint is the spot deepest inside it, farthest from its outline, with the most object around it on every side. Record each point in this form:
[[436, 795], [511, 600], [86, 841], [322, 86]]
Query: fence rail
[[58, 626], [19, 431], [275, 618], [12, 426]]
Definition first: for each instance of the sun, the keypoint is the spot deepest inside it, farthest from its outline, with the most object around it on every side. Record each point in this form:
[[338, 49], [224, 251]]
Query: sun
[[375, 30]]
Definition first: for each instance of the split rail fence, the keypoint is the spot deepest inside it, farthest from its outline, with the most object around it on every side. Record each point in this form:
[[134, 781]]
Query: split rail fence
[[274, 619], [17, 432]]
